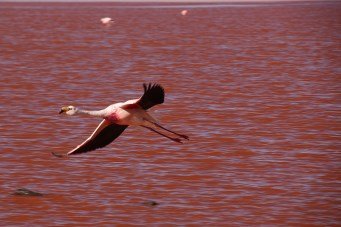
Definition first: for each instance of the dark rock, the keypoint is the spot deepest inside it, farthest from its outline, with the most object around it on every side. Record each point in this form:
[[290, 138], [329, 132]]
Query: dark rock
[[150, 203], [26, 192]]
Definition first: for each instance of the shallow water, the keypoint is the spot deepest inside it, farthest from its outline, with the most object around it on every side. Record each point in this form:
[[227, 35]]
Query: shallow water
[[256, 88]]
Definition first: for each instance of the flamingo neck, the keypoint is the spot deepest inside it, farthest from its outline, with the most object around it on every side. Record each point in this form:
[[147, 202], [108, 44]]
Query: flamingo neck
[[96, 113]]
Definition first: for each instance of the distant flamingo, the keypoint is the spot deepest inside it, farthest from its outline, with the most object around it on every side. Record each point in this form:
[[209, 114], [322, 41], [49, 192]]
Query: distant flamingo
[[117, 117], [184, 12], [107, 20]]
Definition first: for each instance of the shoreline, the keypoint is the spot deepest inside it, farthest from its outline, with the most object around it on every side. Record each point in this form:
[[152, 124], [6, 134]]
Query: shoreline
[[166, 1]]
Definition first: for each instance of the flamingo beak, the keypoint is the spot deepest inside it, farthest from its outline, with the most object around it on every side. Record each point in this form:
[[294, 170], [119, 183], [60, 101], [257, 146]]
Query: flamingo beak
[[63, 110]]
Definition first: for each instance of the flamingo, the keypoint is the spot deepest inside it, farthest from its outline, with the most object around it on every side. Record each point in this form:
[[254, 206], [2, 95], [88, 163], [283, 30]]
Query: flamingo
[[184, 12], [117, 117], [107, 20]]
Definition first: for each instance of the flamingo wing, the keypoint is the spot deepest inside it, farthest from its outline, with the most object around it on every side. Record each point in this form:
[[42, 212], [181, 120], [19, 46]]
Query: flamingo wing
[[104, 134], [153, 94]]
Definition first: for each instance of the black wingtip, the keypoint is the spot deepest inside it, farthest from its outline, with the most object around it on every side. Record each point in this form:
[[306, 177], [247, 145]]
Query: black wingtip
[[154, 94]]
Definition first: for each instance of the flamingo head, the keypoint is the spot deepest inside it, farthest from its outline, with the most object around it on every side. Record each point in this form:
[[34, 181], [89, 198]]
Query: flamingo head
[[69, 110]]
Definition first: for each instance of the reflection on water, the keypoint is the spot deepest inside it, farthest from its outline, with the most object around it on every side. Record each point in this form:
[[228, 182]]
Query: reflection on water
[[255, 88]]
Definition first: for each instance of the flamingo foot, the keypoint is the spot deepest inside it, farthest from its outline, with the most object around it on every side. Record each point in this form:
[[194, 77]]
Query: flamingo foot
[[178, 140], [184, 136]]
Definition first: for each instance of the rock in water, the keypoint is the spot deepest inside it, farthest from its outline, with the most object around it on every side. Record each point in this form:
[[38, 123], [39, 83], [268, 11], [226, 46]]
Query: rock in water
[[26, 192], [150, 203]]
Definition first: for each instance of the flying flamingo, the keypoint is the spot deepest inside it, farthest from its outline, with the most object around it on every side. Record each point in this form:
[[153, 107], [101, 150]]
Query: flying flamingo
[[117, 117], [107, 20], [184, 12]]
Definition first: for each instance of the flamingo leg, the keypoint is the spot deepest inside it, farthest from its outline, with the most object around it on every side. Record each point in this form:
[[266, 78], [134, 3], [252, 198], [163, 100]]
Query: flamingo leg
[[171, 138], [181, 135]]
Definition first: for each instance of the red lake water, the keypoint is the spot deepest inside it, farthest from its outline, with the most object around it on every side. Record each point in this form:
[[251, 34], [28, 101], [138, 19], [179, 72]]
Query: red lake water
[[256, 87]]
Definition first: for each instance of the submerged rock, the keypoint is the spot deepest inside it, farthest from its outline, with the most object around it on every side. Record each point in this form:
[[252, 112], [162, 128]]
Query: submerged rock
[[150, 203], [26, 192]]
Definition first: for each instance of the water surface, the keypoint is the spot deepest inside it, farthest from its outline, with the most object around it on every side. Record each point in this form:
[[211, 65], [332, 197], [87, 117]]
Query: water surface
[[255, 87]]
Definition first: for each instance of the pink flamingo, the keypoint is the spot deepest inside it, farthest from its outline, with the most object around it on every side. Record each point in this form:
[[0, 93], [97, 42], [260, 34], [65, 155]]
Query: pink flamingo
[[184, 12], [107, 20], [117, 117]]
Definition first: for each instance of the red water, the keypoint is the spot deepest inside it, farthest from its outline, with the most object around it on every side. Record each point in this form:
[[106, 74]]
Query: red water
[[255, 86]]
